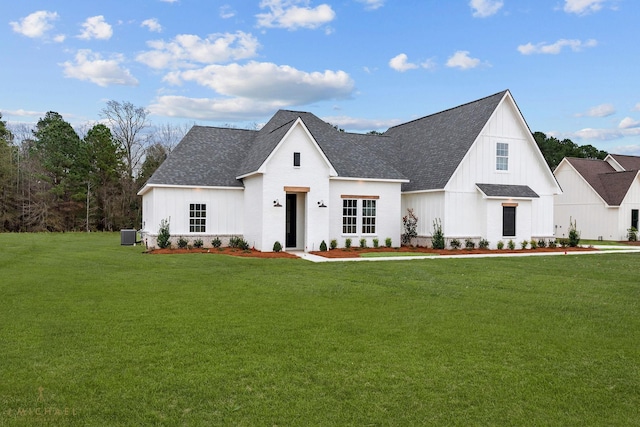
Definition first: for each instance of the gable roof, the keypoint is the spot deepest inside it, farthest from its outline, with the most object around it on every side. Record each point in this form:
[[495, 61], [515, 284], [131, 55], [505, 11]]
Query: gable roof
[[429, 149], [629, 163], [612, 186]]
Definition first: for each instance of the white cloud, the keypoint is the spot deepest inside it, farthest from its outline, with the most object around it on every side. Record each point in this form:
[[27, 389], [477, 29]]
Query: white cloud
[[269, 82], [484, 8], [103, 72], [462, 60], [216, 109], [629, 123], [35, 25], [582, 7], [606, 134], [400, 63], [352, 123], [372, 4], [637, 107], [227, 12], [95, 27], [556, 48], [287, 14], [152, 24], [22, 113], [602, 110], [186, 49]]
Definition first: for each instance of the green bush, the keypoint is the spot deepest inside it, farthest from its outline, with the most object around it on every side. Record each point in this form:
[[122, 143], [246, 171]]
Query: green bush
[[333, 244], [511, 244], [534, 244], [437, 238], [376, 243], [164, 237], [500, 245], [552, 244], [563, 242], [632, 234], [469, 244], [238, 242], [363, 243], [542, 243], [524, 244], [323, 246], [483, 244], [198, 243], [388, 242], [216, 242], [182, 242], [455, 244], [347, 243], [277, 246], [574, 234], [410, 224]]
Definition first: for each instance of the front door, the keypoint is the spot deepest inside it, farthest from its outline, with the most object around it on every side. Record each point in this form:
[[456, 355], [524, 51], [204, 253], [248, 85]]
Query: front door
[[292, 238]]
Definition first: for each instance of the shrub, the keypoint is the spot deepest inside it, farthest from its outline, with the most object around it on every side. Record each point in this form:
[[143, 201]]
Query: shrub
[[511, 244], [347, 243], [242, 244], [483, 244], [469, 244], [182, 242], [387, 242], [552, 244], [455, 244], [363, 243], [277, 246], [198, 243], [238, 242], [500, 245], [323, 246], [333, 244], [534, 244], [410, 224], [376, 243], [542, 243], [523, 244], [632, 234], [437, 238], [216, 242], [164, 237], [574, 234]]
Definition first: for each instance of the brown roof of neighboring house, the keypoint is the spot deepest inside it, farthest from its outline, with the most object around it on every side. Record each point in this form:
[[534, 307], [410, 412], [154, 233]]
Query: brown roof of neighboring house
[[629, 163], [611, 186]]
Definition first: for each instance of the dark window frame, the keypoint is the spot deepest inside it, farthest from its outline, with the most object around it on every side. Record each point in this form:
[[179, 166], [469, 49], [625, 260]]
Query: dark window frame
[[296, 159]]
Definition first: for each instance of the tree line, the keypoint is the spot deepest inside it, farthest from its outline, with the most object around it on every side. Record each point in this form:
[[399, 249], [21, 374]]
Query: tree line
[[55, 178]]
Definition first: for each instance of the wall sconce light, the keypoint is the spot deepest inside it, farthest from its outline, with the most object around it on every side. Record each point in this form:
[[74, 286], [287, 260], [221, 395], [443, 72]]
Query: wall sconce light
[[321, 204], [276, 204]]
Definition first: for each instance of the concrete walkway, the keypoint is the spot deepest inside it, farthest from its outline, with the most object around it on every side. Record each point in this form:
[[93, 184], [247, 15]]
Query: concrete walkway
[[601, 251]]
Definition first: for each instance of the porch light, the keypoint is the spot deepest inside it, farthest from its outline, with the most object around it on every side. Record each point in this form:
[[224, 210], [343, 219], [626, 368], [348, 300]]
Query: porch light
[[276, 204], [321, 204]]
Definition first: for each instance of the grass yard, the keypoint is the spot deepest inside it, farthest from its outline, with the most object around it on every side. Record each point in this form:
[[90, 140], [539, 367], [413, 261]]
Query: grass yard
[[95, 334]]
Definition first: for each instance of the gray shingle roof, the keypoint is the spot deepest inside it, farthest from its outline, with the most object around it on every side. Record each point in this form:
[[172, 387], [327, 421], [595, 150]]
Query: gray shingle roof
[[611, 186], [428, 150], [502, 190]]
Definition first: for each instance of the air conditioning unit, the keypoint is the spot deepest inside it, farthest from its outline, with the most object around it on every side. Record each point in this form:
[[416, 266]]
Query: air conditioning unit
[[128, 237]]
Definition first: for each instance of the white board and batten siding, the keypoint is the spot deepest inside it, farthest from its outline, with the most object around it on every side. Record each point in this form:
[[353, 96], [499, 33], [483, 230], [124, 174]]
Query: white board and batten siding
[[279, 177], [223, 209]]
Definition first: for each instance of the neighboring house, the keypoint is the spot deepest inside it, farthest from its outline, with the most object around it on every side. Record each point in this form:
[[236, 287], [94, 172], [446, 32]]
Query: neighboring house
[[601, 196], [300, 181]]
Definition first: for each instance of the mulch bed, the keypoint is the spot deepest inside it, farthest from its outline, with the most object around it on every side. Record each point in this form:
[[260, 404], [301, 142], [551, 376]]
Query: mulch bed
[[249, 253]]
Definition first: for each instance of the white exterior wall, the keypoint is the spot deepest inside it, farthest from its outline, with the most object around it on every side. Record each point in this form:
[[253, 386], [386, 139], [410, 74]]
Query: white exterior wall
[[427, 206], [580, 203], [224, 212], [468, 215], [631, 201], [388, 211], [254, 213], [279, 172]]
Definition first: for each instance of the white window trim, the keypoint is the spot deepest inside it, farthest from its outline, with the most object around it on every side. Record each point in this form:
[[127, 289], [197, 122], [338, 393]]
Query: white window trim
[[359, 216], [497, 156]]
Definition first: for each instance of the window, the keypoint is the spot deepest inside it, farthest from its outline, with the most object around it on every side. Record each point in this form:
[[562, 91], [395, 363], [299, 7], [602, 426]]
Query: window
[[197, 217], [634, 218], [296, 159], [368, 216], [509, 221], [349, 216], [502, 156]]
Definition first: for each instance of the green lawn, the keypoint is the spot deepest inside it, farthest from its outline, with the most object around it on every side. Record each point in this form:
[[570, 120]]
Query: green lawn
[[92, 333]]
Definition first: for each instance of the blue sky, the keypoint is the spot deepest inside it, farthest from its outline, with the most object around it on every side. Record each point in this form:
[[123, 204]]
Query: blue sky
[[572, 65]]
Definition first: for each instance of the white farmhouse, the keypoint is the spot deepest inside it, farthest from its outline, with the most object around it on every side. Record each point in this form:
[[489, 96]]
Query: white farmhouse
[[299, 181], [601, 196]]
